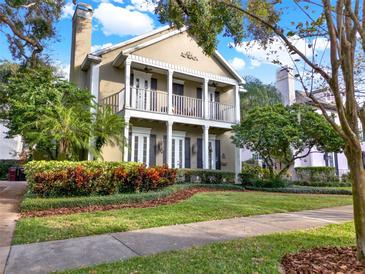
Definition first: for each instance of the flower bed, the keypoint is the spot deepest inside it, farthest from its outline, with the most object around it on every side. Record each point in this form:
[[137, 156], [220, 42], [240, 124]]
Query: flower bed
[[64, 178]]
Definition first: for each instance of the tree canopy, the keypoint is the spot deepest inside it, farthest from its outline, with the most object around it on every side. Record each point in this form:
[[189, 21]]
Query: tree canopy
[[28, 25], [257, 94], [54, 117], [282, 134]]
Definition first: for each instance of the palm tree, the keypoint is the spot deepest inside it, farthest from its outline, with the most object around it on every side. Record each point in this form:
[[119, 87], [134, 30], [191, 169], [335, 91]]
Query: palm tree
[[106, 130]]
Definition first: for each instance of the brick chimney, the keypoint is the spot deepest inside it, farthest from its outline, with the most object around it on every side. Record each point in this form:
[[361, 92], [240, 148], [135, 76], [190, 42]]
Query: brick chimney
[[285, 84], [81, 41]]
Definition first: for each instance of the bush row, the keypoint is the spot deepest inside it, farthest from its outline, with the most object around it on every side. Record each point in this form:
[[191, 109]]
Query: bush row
[[321, 174], [65, 178], [36, 203], [323, 184], [205, 176], [303, 190]]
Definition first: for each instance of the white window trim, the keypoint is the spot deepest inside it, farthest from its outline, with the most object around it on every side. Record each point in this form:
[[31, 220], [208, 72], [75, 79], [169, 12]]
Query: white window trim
[[142, 74], [177, 133], [177, 81], [145, 132]]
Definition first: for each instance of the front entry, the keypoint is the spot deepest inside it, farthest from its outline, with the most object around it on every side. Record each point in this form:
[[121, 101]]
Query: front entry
[[141, 90], [178, 152], [211, 154], [140, 145]]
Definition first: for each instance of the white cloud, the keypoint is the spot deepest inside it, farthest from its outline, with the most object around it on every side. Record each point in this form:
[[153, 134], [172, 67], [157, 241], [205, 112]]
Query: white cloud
[[237, 63], [255, 63], [62, 70], [143, 5], [99, 47], [68, 10], [122, 21], [277, 51]]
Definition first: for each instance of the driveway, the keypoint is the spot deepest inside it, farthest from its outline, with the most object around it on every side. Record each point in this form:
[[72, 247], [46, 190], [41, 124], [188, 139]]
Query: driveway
[[11, 194]]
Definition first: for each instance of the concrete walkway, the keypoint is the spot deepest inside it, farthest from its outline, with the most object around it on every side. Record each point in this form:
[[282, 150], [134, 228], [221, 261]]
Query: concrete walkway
[[84, 251], [11, 194]]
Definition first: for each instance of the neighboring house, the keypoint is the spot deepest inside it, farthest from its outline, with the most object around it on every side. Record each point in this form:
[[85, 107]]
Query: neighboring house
[[285, 84], [10, 148], [179, 104]]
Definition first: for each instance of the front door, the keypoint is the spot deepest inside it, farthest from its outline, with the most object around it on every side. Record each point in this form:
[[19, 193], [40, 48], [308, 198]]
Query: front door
[[178, 152], [212, 104], [211, 154], [141, 90], [140, 148]]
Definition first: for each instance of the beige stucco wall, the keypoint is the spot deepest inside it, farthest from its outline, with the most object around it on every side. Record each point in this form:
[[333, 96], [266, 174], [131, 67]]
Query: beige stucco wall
[[159, 129], [169, 51]]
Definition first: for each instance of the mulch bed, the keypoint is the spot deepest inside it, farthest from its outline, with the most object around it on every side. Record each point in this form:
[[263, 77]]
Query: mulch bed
[[324, 260], [171, 199]]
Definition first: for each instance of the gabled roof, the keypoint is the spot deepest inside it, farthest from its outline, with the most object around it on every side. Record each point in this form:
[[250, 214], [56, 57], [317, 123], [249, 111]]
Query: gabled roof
[[173, 32]]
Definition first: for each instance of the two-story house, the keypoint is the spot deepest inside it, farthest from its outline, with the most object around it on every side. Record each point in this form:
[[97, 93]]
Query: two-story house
[[179, 104]]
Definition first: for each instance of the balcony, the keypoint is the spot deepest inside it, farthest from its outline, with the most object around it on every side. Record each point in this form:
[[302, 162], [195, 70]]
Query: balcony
[[157, 101]]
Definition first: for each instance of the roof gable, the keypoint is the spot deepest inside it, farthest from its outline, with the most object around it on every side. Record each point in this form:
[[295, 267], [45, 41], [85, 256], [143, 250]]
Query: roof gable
[[177, 47]]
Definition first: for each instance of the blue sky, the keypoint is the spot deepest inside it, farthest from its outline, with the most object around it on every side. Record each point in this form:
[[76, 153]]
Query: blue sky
[[118, 20]]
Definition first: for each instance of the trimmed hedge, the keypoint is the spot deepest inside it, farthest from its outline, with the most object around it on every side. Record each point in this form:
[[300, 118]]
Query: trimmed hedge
[[65, 178], [303, 190], [323, 184], [205, 176], [36, 204], [316, 174]]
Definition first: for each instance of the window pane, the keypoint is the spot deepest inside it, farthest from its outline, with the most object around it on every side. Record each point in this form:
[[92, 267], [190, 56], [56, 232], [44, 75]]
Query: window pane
[[135, 149], [180, 153], [145, 150]]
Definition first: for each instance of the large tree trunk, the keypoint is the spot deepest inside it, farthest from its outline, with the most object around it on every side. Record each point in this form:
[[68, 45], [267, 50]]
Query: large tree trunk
[[354, 157]]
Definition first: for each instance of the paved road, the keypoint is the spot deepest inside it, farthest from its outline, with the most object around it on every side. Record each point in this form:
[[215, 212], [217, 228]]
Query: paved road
[[11, 194], [84, 251]]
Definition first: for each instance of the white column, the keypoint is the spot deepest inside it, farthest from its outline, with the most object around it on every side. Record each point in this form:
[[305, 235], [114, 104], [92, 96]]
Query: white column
[[169, 90], [126, 139], [127, 82], [205, 98], [169, 143], [237, 104], [94, 82], [205, 147], [237, 164], [94, 90]]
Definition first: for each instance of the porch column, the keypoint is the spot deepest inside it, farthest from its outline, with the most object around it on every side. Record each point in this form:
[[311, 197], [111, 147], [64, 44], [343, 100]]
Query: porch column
[[206, 147], [94, 89], [170, 74], [206, 99], [237, 104], [169, 143], [127, 81], [237, 164], [126, 139]]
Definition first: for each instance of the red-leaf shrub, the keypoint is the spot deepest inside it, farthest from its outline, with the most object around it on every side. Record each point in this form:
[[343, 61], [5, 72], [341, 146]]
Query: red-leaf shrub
[[88, 178]]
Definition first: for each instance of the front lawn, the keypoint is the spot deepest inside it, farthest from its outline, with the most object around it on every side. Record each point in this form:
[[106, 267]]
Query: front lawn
[[260, 254], [200, 207]]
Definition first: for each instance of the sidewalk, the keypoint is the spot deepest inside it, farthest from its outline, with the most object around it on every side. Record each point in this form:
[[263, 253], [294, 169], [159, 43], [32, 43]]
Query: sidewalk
[[11, 194], [85, 251]]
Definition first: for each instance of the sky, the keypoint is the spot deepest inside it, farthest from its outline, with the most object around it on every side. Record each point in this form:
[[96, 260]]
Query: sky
[[118, 20]]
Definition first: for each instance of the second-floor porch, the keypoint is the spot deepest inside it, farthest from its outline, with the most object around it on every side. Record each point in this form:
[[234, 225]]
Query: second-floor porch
[[169, 92]]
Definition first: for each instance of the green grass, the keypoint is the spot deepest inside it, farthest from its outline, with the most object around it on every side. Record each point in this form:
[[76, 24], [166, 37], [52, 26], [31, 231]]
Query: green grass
[[252, 255], [31, 203], [200, 207]]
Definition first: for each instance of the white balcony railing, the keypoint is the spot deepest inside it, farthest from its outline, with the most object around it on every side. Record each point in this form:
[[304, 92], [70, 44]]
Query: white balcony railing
[[157, 101], [187, 106], [221, 112], [149, 100]]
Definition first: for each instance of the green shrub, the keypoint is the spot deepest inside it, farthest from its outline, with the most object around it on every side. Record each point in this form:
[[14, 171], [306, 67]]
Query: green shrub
[[205, 176], [4, 167], [303, 190], [256, 176], [316, 174], [65, 178], [323, 184]]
